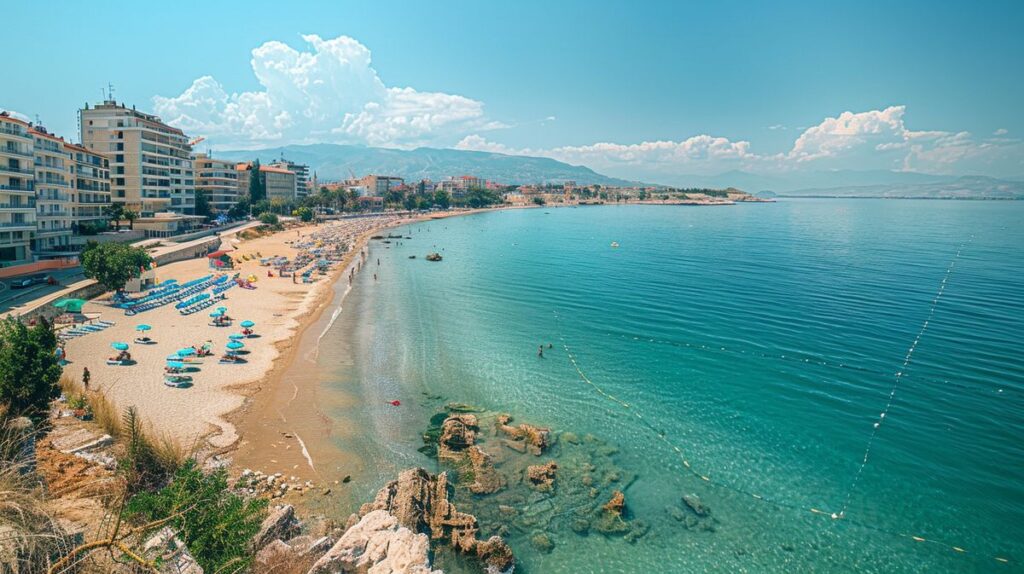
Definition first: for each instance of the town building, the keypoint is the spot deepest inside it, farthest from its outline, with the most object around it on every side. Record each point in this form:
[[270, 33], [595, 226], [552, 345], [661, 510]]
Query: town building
[[380, 185], [279, 183], [150, 161], [17, 191], [303, 183], [218, 179], [370, 203], [53, 195], [90, 188]]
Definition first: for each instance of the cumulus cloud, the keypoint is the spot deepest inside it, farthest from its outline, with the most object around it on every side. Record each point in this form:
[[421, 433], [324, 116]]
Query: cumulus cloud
[[875, 139], [329, 92], [1000, 132]]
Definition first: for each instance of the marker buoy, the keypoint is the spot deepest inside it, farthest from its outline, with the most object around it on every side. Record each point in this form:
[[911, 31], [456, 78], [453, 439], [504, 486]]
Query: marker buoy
[[395, 403]]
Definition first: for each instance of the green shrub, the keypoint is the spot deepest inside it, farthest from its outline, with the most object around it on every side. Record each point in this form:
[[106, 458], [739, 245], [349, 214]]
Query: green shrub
[[216, 524]]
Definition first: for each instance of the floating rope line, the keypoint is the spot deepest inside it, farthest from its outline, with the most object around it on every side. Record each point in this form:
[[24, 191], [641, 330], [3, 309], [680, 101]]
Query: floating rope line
[[832, 516], [896, 381]]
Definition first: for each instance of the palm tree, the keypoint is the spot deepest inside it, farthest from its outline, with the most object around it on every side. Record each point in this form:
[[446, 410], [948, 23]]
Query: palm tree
[[114, 211], [131, 216]]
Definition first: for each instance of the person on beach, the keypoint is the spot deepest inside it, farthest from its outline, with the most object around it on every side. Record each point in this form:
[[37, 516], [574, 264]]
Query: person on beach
[[86, 377], [540, 351]]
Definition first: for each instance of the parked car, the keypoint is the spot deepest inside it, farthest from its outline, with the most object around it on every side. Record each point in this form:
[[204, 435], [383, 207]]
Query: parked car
[[25, 282]]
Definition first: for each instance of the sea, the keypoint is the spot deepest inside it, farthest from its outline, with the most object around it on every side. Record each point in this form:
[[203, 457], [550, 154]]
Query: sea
[[809, 385]]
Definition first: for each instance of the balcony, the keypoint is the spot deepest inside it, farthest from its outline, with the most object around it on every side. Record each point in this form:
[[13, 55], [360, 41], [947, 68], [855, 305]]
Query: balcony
[[28, 188], [81, 201], [15, 152], [52, 214], [16, 225], [27, 206], [53, 230], [9, 130], [11, 169]]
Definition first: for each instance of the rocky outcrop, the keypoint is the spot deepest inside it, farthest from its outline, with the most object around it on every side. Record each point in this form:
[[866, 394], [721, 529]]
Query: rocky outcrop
[[170, 552], [610, 520], [485, 477], [420, 502], [542, 476], [280, 524], [458, 434], [525, 437], [378, 544]]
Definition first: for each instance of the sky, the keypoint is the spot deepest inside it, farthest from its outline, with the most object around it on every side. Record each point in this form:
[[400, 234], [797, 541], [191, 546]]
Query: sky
[[643, 90]]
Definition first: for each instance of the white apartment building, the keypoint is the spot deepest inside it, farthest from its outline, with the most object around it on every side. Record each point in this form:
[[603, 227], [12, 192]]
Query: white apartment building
[[303, 183], [17, 191], [90, 186], [218, 179], [53, 195], [150, 161]]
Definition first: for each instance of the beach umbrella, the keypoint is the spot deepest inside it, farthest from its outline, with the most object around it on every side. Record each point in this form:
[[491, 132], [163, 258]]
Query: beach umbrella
[[235, 345], [216, 313], [236, 336], [119, 346], [143, 327], [70, 305], [186, 352], [248, 324], [222, 309], [176, 364], [174, 357]]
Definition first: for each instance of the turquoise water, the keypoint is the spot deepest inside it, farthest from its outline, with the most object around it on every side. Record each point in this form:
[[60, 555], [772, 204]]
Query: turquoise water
[[762, 340]]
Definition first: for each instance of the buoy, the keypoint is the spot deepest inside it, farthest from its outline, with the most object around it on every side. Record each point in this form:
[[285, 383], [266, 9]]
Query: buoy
[[396, 403]]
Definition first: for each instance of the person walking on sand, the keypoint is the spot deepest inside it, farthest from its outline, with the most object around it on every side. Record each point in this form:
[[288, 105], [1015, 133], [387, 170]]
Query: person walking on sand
[[86, 377]]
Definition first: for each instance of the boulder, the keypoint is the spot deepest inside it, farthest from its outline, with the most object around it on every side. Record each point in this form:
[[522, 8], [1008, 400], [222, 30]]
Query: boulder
[[458, 433], [534, 440], [693, 502], [542, 476], [486, 478], [280, 524], [377, 544], [171, 553]]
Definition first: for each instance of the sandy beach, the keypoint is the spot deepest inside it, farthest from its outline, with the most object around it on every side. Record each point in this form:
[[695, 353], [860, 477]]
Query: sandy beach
[[195, 416]]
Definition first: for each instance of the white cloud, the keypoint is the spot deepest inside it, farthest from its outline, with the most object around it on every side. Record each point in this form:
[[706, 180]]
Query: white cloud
[[875, 139], [329, 93], [1000, 132]]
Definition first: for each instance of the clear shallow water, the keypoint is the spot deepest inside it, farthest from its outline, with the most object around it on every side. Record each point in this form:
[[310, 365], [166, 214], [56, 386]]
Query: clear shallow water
[[762, 340]]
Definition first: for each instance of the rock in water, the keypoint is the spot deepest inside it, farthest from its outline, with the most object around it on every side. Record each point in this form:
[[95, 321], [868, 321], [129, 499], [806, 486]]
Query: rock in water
[[419, 501], [693, 502], [486, 477], [610, 520], [542, 476], [458, 433], [534, 440], [378, 543]]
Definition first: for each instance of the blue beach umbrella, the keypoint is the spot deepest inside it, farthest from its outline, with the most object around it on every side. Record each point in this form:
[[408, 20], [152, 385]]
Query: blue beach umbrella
[[248, 324], [235, 345], [186, 351], [143, 327], [222, 309], [236, 336], [176, 364], [216, 313], [119, 346]]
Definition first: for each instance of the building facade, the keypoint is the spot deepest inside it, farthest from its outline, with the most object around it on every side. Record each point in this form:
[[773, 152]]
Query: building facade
[[17, 191], [380, 185], [218, 179], [150, 161], [90, 187], [303, 183], [53, 195], [279, 183]]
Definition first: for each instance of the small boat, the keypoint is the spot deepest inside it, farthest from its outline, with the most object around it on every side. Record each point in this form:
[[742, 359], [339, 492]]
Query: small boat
[[433, 256], [615, 243]]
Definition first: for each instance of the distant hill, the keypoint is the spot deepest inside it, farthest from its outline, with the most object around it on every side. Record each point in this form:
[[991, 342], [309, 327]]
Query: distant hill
[[968, 187], [334, 162]]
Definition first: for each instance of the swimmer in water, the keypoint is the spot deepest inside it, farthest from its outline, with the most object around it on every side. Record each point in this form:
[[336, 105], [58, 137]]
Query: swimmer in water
[[540, 351]]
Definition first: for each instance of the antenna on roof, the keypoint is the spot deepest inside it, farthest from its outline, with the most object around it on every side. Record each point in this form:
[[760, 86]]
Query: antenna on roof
[[110, 91]]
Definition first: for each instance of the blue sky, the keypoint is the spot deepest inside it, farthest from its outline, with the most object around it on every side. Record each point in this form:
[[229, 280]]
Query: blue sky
[[629, 88]]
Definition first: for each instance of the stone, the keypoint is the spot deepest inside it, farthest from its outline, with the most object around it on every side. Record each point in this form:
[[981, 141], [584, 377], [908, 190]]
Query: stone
[[280, 524], [486, 477], [496, 555], [377, 544], [580, 526], [542, 476], [458, 433], [617, 503], [693, 502], [171, 552], [534, 440], [542, 542]]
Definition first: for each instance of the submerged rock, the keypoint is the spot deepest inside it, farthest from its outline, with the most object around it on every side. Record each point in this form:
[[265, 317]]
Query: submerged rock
[[693, 502], [542, 542], [610, 519], [542, 476], [486, 477], [458, 433], [534, 440]]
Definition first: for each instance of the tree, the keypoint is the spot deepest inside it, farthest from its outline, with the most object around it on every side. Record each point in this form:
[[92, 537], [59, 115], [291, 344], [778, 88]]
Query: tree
[[304, 214], [538, 200], [113, 264], [411, 202], [257, 186], [29, 370], [203, 203], [216, 524], [261, 206], [131, 216], [442, 199], [240, 209], [115, 211], [268, 218]]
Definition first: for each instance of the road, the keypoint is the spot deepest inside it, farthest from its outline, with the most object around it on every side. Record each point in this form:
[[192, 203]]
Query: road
[[12, 297]]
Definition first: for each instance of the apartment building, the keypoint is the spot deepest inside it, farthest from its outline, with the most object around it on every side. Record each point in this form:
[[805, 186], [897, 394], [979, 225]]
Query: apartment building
[[218, 179], [380, 185], [90, 187], [53, 195], [279, 183], [150, 161], [303, 183], [17, 191]]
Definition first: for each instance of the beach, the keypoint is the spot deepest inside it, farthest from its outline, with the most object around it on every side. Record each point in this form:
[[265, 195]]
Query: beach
[[195, 416]]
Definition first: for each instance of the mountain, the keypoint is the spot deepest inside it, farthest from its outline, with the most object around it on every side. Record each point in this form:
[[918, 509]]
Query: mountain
[[335, 162], [967, 187]]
